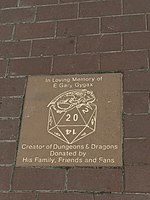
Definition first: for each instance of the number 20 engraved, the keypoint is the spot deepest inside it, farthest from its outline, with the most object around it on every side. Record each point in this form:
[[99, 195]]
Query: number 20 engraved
[[75, 117]]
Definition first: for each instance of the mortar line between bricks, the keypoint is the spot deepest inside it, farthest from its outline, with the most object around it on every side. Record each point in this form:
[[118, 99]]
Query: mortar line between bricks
[[64, 168], [97, 71], [18, 76], [122, 42], [135, 114], [50, 56], [7, 141], [1, 101], [70, 19], [93, 17], [135, 92], [19, 58], [50, 21], [30, 51], [66, 3], [100, 62], [55, 37], [140, 138], [88, 1], [6, 165], [69, 191], [35, 15], [13, 32], [8, 118], [57, 4], [56, 27], [66, 179], [99, 25], [76, 192], [52, 65], [148, 61], [11, 97], [137, 165], [37, 196], [93, 196], [146, 22], [18, 4], [16, 8], [118, 193], [78, 9], [126, 50], [137, 70], [86, 53], [122, 7], [7, 68], [104, 52], [73, 19], [10, 189], [149, 104], [76, 45]]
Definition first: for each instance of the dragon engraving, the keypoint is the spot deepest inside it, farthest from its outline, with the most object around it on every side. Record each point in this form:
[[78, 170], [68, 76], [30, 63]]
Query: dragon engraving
[[69, 99]]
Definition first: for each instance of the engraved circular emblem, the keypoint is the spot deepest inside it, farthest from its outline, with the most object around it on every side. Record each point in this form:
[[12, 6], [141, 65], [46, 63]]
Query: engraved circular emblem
[[72, 115]]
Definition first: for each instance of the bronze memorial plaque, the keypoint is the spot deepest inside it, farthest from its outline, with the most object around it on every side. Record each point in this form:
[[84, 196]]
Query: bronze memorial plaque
[[72, 120]]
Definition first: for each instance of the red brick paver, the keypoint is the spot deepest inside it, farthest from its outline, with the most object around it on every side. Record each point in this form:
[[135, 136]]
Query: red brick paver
[[137, 126], [5, 157], [5, 178], [136, 102], [39, 179], [30, 66], [137, 178], [2, 68], [57, 12], [17, 15], [78, 27], [12, 87], [8, 3], [18, 196], [102, 8], [11, 107], [136, 151], [9, 129], [32, 31], [104, 180]]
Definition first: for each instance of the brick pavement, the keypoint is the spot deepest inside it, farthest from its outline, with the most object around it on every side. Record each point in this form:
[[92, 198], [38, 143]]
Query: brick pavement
[[76, 36]]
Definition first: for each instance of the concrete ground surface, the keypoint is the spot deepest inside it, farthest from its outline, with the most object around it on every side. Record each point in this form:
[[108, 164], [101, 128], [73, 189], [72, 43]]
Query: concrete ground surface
[[39, 37]]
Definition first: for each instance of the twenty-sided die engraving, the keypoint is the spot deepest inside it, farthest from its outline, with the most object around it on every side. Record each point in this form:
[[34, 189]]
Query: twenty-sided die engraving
[[72, 115]]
